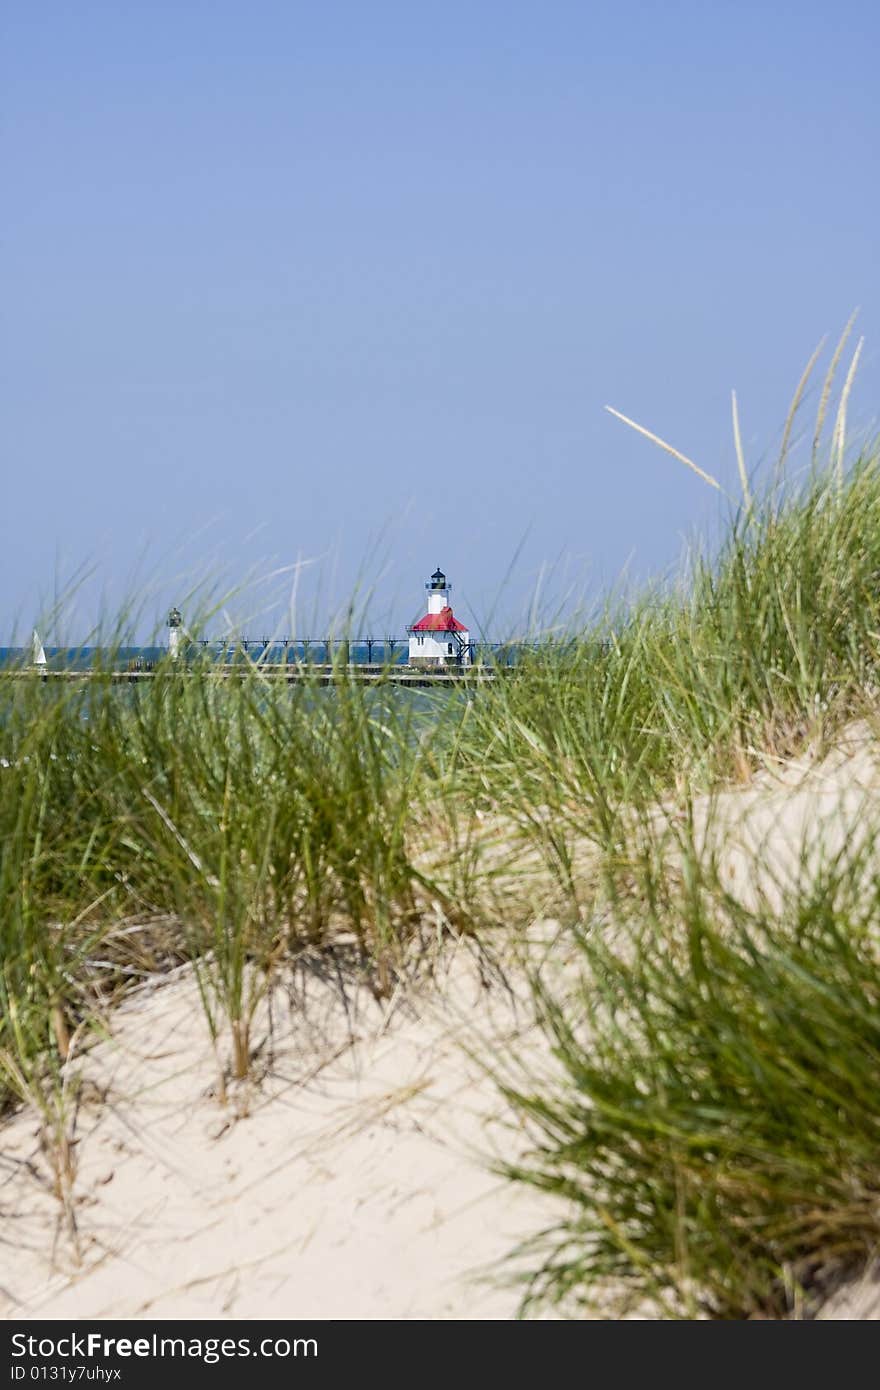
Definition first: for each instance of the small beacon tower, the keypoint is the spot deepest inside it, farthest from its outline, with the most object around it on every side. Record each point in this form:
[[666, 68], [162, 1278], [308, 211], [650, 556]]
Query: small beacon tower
[[439, 639], [175, 623]]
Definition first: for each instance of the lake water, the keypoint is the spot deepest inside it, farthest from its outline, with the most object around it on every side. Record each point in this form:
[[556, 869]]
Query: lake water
[[380, 651]]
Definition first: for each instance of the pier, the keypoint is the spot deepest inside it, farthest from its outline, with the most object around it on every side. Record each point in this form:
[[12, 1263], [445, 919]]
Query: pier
[[300, 673], [313, 660]]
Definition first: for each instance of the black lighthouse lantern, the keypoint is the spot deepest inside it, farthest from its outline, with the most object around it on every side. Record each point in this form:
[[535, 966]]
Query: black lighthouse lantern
[[437, 582]]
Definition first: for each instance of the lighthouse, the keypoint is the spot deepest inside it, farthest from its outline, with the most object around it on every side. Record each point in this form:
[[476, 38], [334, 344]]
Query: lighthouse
[[175, 622], [439, 639]]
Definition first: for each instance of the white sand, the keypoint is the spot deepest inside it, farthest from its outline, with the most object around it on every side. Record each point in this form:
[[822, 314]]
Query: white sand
[[352, 1189]]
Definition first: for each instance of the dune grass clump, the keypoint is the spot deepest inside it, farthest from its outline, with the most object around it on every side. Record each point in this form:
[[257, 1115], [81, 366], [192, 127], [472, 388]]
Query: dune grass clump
[[229, 822], [766, 648], [713, 1126], [280, 819]]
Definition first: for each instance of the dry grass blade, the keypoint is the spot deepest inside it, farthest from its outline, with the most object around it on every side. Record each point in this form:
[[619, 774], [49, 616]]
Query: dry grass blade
[[794, 407], [839, 446], [828, 383], [676, 453], [740, 457]]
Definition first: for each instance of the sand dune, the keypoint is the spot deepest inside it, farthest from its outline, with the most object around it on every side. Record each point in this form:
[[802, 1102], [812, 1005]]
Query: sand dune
[[353, 1179], [355, 1185]]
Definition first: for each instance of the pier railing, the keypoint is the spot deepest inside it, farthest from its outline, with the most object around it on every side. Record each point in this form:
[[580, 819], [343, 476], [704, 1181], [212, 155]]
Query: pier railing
[[322, 658], [352, 651]]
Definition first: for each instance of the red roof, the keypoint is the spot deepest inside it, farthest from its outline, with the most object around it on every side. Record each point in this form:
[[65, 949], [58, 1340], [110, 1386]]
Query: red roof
[[439, 622]]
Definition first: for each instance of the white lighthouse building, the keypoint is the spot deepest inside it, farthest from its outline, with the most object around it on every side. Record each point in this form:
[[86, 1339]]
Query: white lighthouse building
[[175, 623], [439, 639]]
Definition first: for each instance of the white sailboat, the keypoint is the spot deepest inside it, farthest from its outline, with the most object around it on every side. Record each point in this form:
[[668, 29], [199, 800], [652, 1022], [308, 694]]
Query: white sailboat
[[39, 652]]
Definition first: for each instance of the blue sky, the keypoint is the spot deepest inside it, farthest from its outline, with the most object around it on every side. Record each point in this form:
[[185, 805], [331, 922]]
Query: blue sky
[[352, 283]]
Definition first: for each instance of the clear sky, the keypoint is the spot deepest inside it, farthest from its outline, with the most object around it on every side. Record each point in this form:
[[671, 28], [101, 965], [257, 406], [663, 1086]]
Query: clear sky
[[352, 282]]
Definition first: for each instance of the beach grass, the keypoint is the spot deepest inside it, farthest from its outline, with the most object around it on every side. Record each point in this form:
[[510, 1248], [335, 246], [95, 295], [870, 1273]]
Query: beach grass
[[711, 1126], [710, 1129], [237, 821]]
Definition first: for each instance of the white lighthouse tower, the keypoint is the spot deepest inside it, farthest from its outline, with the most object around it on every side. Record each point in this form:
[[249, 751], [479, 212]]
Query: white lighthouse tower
[[439, 639], [175, 623]]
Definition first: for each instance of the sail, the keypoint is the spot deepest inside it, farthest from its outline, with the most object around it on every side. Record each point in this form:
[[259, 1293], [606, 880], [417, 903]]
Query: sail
[[39, 651]]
